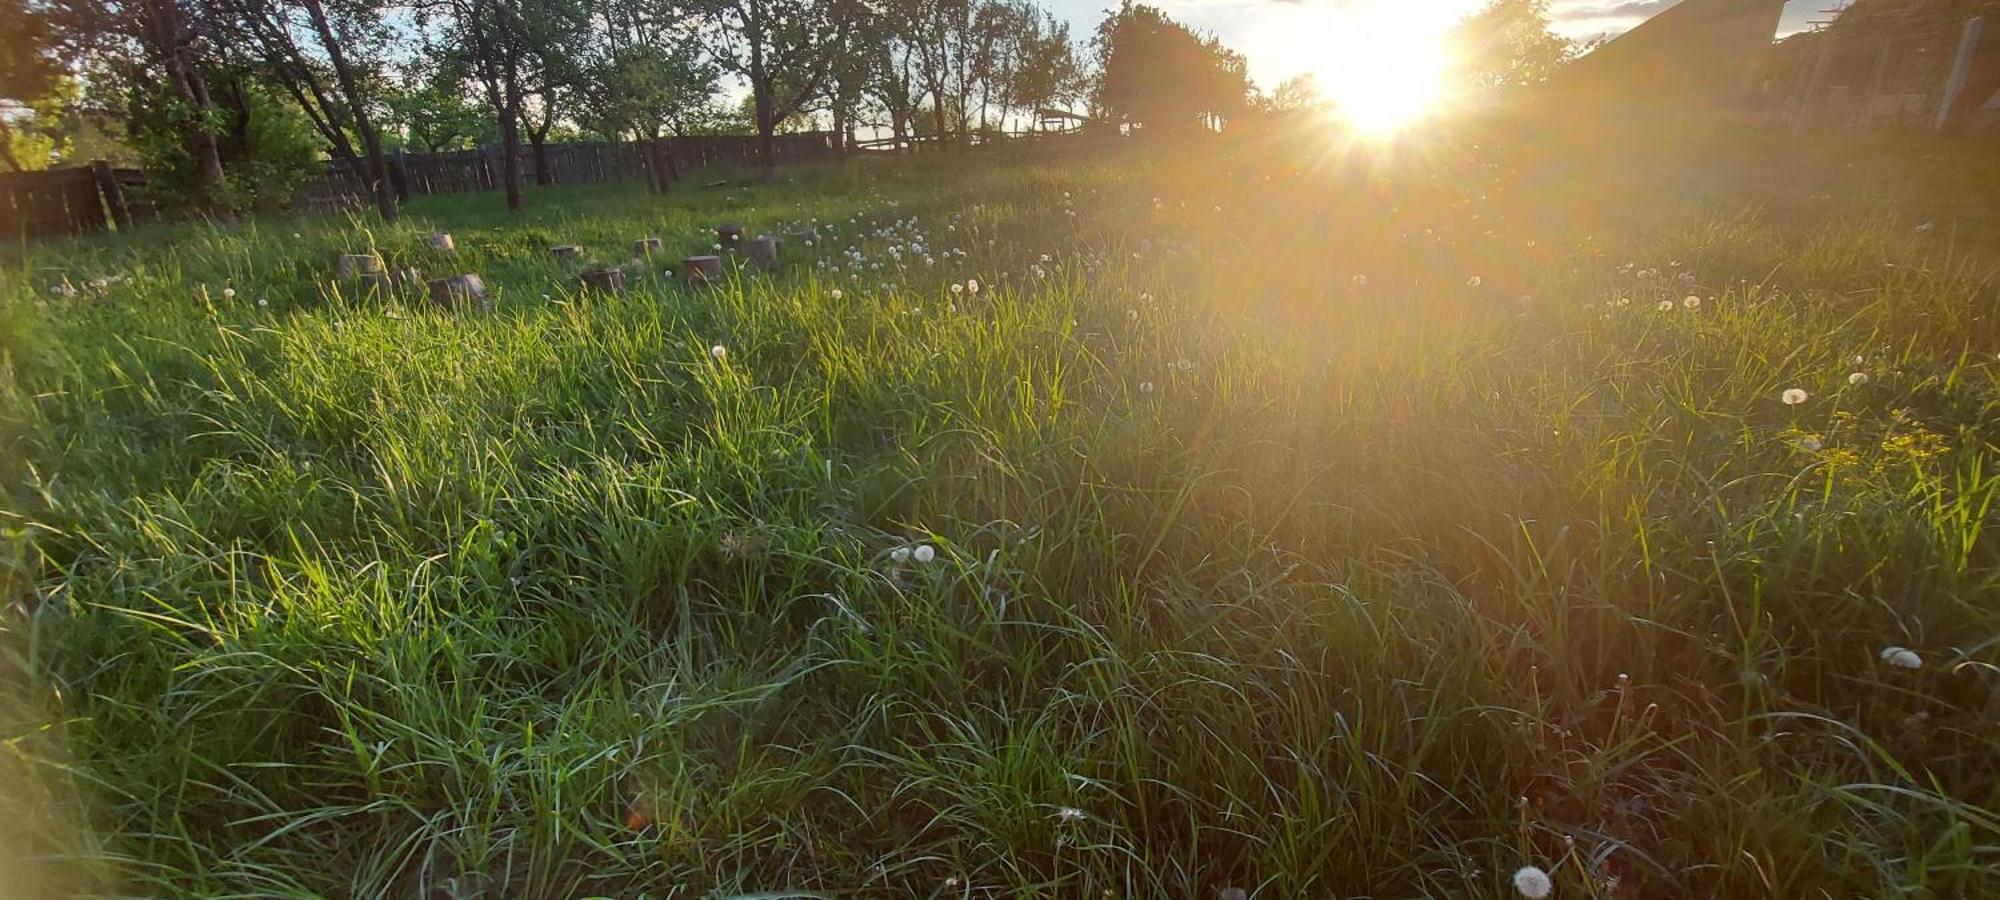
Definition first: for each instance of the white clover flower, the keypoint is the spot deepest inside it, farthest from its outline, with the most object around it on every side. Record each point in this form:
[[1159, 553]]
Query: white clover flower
[[1045, 258], [228, 293], [1902, 657], [923, 554], [835, 293], [719, 352], [1533, 883], [1858, 379], [1794, 396], [1070, 814], [1691, 301], [1859, 360], [899, 555]]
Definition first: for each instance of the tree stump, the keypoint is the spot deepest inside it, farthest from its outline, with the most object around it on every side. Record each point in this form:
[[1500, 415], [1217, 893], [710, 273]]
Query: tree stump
[[459, 290], [729, 236], [701, 270], [567, 252], [353, 265], [441, 242], [644, 247], [610, 281], [762, 251]]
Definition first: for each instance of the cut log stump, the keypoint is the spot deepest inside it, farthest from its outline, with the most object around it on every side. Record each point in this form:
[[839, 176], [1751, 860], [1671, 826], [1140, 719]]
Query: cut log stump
[[702, 270], [567, 252], [610, 281], [459, 290], [354, 265], [762, 251], [644, 247], [440, 242], [729, 236]]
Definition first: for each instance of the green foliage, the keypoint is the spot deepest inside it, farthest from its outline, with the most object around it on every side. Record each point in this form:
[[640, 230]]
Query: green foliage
[[1159, 74], [1247, 571], [1509, 44]]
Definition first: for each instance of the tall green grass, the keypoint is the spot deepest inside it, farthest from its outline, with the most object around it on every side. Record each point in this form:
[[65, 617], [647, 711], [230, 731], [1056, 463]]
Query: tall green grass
[[1249, 572]]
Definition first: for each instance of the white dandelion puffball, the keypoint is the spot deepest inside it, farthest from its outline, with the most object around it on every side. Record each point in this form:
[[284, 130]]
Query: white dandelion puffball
[[1533, 883], [1691, 302], [1794, 396], [958, 288], [1902, 657], [1666, 306], [1474, 281], [972, 285], [899, 555], [1145, 387], [227, 293], [835, 294], [1858, 379], [924, 553], [718, 351], [1070, 814], [263, 302]]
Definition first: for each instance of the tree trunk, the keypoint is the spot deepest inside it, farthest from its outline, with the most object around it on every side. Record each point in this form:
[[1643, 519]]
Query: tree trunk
[[839, 131], [538, 138], [378, 169], [510, 139], [184, 77]]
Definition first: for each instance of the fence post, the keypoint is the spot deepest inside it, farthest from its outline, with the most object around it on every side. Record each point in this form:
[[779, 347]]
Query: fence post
[[658, 173], [114, 195], [487, 180]]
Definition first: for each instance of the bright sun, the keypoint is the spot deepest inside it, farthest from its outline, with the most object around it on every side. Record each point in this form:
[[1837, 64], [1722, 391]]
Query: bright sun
[[1383, 64]]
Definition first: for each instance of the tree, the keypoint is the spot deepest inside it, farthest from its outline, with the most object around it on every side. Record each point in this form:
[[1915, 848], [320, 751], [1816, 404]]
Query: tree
[[292, 37], [1298, 92], [28, 68], [1160, 74], [1048, 73], [1509, 44], [783, 49], [431, 110], [506, 46]]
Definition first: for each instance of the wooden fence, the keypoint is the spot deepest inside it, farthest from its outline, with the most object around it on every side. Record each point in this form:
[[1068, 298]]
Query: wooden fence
[[72, 201], [63, 202], [346, 184]]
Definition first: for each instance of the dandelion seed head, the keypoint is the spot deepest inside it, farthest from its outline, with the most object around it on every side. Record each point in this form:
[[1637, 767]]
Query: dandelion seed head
[[835, 293], [718, 351], [1691, 302], [1794, 396], [228, 293], [1533, 883], [1858, 379], [1070, 814], [1902, 657], [923, 553]]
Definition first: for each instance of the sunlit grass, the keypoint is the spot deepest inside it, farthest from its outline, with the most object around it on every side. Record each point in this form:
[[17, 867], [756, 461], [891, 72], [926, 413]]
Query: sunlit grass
[[1363, 529]]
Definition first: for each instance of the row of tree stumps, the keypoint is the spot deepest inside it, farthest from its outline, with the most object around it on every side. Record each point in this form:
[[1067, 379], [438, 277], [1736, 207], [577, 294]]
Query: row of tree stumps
[[466, 288]]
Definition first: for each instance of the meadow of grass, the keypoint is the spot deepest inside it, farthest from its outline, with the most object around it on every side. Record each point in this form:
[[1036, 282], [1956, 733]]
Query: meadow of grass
[[1308, 525]]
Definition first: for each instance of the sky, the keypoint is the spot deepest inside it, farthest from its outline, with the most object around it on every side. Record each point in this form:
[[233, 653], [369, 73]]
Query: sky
[[1282, 38]]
